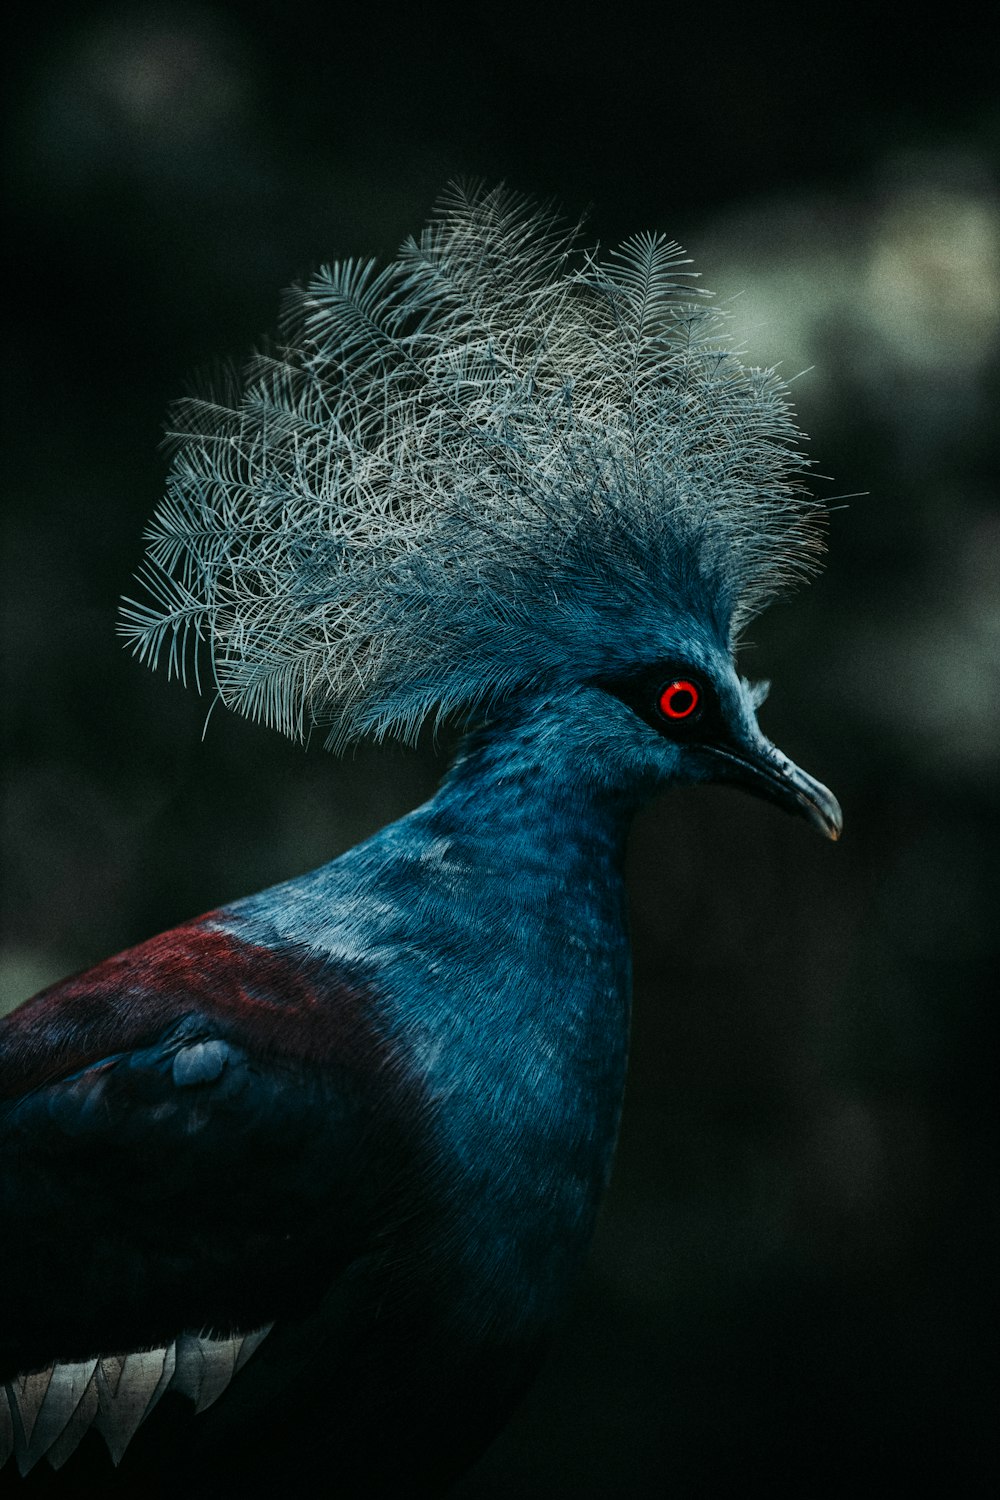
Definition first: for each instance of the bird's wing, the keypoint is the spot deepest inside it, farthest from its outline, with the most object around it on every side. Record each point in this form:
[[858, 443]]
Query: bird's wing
[[180, 1153]]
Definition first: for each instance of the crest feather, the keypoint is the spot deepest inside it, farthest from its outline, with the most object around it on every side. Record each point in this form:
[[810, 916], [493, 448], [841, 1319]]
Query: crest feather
[[496, 461]]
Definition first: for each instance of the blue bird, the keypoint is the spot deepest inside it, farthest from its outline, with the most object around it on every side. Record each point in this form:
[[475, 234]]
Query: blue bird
[[295, 1193]]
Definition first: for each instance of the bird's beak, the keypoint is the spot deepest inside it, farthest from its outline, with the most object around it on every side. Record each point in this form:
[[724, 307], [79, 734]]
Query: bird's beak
[[763, 770]]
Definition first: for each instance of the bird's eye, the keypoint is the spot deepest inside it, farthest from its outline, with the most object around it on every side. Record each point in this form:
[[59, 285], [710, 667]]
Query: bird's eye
[[680, 699]]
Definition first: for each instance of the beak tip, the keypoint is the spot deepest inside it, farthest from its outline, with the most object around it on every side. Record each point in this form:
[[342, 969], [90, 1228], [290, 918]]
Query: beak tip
[[827, 817], [764, 770], [818, 804]]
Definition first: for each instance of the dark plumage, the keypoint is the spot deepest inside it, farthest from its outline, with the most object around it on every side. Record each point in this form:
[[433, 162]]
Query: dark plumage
[[321, 1166]]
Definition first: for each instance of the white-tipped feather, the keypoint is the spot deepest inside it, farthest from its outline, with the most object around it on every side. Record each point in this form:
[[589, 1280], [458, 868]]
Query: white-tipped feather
[[66, 1442], [29, 1392], [48, 1413], [204, 1368], [63, 1392], [494, 462], [250, 1345], [125, 1390], [6, 1427]]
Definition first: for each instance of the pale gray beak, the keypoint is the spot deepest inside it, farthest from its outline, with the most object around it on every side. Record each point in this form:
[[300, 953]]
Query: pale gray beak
[[763, 770]]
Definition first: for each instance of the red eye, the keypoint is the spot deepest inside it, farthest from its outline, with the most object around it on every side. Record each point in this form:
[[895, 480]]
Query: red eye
[[680, 699]]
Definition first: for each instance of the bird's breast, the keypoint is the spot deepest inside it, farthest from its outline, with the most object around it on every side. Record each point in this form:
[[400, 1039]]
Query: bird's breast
[[500, 966], [524, 1103]]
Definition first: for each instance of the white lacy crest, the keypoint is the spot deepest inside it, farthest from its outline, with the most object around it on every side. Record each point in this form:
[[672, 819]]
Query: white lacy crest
[[496, 460]]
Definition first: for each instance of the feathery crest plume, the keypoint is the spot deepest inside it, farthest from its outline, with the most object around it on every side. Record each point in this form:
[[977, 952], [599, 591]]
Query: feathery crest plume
[[496, 462]]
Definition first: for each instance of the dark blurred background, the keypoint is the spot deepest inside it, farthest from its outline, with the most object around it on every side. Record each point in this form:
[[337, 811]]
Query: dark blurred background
[[791, 1284]]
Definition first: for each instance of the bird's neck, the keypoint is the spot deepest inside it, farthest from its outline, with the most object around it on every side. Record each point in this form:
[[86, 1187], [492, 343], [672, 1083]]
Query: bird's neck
[[492, 925], [520, 798], [501, 900], [522, 988]]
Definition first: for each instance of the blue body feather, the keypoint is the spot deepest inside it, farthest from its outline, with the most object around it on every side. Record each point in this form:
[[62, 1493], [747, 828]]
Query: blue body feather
[[312, 1176], [493, 922]]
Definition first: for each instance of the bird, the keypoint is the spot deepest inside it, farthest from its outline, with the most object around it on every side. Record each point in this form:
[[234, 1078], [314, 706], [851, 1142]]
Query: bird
[[297, 1192]]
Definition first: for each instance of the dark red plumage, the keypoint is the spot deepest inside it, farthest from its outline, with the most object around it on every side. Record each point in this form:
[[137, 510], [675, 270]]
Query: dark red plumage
[[286, 1003], [223, 1118], [291, 1181]]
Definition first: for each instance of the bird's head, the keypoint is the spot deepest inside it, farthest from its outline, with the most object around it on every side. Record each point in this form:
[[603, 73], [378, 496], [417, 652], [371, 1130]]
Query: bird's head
[[683, 716], [690, 718], [497, 472]]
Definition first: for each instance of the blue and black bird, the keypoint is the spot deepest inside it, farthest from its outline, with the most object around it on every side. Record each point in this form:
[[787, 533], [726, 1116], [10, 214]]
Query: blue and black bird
[[294, 1194]]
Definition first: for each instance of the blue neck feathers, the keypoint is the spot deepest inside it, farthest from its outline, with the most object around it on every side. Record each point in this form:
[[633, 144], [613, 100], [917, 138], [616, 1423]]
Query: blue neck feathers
[[492, 922]]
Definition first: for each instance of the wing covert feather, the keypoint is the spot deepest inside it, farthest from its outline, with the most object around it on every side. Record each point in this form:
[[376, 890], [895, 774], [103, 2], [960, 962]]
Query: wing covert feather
[[198, 1163]]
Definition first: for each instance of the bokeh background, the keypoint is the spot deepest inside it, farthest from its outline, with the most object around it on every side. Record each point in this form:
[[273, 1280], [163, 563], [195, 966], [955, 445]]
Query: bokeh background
[[790, 1287]]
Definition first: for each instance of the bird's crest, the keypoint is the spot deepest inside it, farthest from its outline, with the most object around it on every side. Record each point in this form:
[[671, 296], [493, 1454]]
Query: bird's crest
[[499, 461]]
